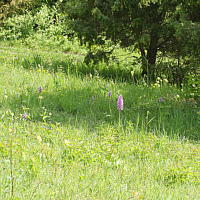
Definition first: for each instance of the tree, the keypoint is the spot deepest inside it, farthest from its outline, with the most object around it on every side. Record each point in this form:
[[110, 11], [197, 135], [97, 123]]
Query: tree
[[149, 25]]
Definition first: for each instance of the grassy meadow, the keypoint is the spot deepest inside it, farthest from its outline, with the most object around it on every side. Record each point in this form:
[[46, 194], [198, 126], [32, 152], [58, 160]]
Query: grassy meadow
[[69, 140]]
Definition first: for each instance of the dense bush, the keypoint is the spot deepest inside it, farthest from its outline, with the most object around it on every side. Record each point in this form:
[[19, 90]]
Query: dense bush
[[9, 8], [41, 28], [23, 26]]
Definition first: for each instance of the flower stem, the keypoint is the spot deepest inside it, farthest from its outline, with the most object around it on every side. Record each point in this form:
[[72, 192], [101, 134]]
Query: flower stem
[[11, 169], [109, 105], [119, 118]]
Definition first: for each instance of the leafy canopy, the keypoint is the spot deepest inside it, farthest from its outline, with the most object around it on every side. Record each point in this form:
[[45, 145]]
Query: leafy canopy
[[151, 25]]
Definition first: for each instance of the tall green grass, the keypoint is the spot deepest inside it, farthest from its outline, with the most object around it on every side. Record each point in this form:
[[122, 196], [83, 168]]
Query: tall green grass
[[72, 146]]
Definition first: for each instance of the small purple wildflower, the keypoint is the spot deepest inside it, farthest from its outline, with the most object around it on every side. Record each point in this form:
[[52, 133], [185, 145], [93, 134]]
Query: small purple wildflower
[[160, 99], [92, 98], [16, 58], [24, 115], [120, 103], [40, 89], [109, 94]]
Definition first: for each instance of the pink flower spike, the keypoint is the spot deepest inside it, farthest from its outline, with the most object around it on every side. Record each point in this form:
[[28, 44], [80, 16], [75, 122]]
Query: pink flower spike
[[92, 98], [109, 94], [120, 103], [40, 89], [24, 115]]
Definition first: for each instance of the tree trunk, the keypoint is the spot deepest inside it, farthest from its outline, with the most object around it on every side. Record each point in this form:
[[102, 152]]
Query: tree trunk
[[149, 70], [151, 56]]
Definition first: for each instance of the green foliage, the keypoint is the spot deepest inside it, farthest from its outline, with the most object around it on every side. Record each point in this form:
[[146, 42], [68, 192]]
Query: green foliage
[[50, 3], [169, 41], [153, 27], [193, 86], [45, 21], [14, 7], [20, 7]]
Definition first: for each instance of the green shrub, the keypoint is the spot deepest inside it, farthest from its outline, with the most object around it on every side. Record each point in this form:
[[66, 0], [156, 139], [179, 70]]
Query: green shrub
[[193, 86], [46, 21]]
